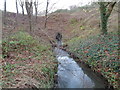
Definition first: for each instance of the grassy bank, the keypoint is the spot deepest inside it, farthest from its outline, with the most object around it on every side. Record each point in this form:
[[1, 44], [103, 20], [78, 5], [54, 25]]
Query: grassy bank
[[26, 62], [99, 52]]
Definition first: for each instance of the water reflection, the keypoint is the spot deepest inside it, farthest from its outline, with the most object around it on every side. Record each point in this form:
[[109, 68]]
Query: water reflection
[[70, 75]]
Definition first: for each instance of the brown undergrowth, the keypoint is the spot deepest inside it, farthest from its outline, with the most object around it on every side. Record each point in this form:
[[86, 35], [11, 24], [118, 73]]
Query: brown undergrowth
[[26, 63]]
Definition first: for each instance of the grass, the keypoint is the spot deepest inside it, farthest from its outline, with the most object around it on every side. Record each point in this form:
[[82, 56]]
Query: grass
[[73, 21], [23, 55], [101, 53]]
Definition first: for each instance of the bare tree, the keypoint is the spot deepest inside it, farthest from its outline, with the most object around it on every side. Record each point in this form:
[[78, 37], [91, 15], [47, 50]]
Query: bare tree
[[105, 11], [17, 7], [36, 8], [48, 9], [46, 14], [17, 11], [21, 2], [29, 9], [4, 10]]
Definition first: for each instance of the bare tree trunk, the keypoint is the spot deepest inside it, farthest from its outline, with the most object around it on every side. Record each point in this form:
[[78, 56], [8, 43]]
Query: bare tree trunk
[[29, 9], [22, 6], [30, 25], [17, 7], [5, 7], [46, 14], [4, 11], [36, 8], [23, 11], [17, 12]]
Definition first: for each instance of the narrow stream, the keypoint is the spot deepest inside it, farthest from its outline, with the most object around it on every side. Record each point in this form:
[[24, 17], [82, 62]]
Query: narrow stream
[[72, 75]]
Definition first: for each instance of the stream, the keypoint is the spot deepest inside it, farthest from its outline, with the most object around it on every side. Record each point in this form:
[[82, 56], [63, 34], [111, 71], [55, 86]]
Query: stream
[[72, 75]]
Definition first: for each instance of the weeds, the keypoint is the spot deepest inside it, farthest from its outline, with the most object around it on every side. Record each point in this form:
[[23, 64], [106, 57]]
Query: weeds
[[73, 21], [101, 53], [21, 53]]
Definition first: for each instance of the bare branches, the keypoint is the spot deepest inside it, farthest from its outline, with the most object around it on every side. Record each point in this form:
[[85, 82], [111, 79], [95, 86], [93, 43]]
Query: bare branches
[[47, 11], [29, 7], [106, 3], [110, 8], [21, 2], [52, 7]]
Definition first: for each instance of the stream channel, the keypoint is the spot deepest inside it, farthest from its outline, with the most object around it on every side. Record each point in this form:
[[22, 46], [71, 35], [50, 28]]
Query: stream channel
[[72, 75]]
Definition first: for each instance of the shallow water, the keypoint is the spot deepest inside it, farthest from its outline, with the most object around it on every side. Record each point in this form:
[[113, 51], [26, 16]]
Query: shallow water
[[71, 75]]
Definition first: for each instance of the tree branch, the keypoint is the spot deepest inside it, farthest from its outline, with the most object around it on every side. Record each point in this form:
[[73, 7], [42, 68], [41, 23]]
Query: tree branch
[[110, 8]]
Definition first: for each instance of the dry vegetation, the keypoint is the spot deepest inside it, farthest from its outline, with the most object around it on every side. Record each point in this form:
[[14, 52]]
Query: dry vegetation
[[26, 63]]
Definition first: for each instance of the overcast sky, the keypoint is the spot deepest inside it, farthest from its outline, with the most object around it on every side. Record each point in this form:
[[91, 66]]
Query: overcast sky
[[59, 4]]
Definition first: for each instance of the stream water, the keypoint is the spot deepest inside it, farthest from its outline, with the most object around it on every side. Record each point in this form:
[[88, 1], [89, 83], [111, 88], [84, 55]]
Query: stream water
[[72, 75]]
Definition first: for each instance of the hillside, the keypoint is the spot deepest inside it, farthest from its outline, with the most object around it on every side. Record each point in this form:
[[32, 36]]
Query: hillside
[[33, 56], [70, 24], [26, 63]]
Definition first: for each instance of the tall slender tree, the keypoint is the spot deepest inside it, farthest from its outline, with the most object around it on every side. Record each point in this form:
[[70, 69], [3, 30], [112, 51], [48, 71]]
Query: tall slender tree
[[46, 14], [36, 8], [4, 11], [17, 6], [17, 12], [21, 2], [29, 9]]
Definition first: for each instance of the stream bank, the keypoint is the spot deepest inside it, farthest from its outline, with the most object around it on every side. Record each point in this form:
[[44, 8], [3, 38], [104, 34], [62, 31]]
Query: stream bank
[[73, 75], [100, 53]]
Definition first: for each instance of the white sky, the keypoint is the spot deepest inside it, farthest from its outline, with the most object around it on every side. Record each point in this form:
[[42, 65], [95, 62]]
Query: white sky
[[59, 4]]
